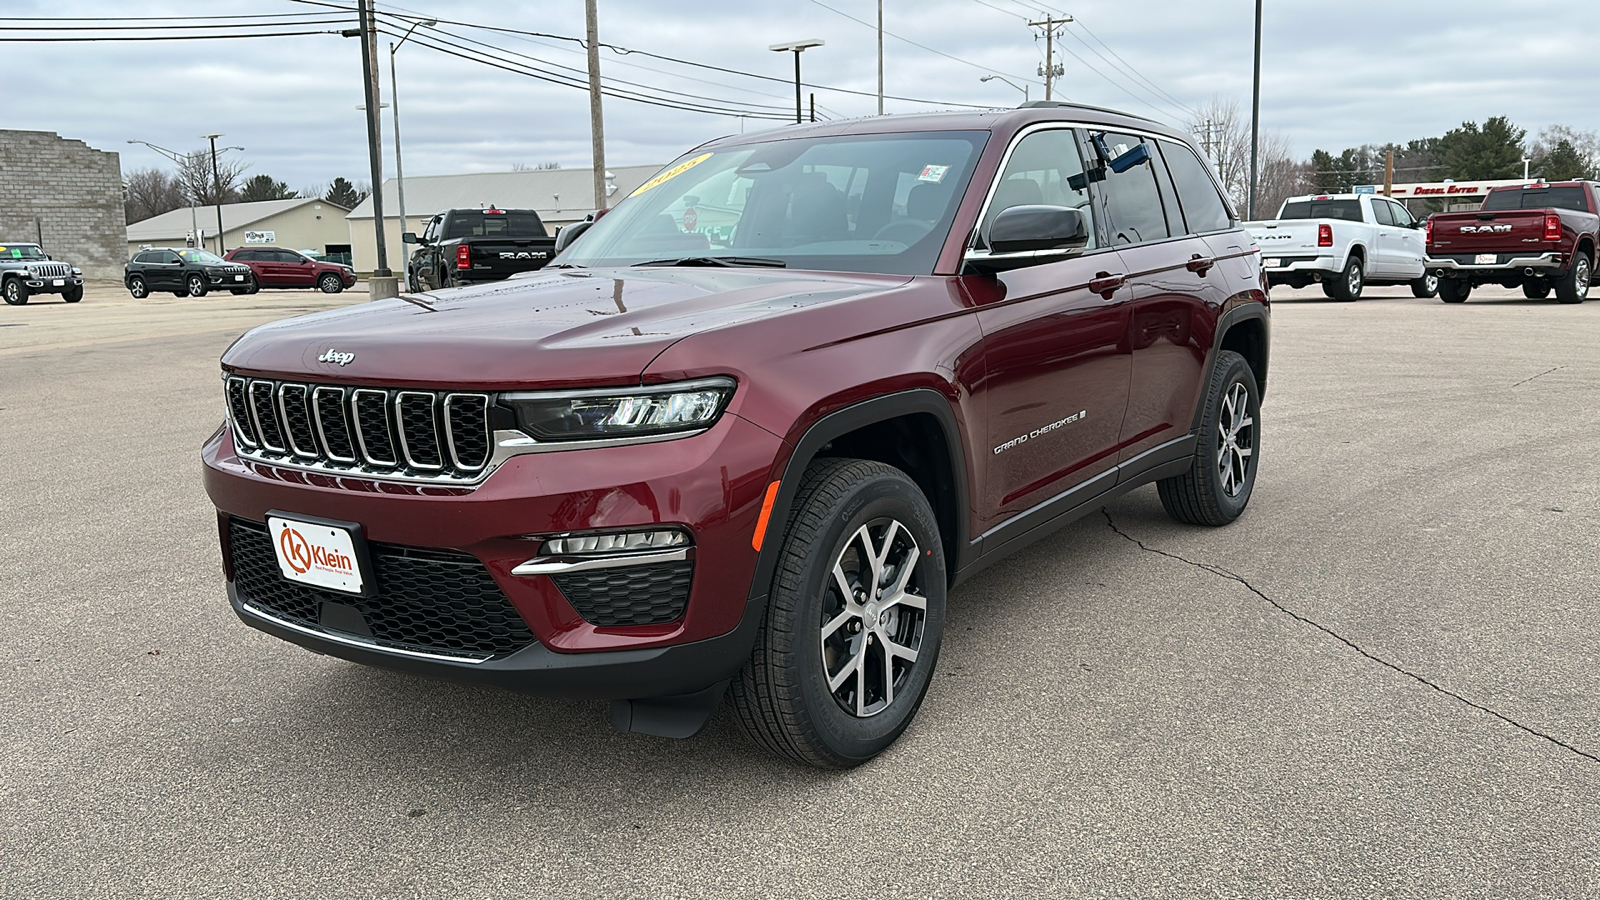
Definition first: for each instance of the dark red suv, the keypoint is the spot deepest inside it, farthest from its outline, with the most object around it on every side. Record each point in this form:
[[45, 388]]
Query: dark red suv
[[275, 267], [751, 426]]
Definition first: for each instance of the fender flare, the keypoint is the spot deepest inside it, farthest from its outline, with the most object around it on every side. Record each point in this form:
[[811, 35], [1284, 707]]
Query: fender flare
[[844, 421], [1243, 312]]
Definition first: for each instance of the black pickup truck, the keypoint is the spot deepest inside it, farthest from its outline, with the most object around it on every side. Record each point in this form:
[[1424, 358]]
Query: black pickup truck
[[466, 246]]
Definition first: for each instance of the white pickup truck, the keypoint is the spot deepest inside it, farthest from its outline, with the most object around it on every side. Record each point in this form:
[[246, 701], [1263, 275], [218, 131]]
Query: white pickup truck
[[1344, 242]]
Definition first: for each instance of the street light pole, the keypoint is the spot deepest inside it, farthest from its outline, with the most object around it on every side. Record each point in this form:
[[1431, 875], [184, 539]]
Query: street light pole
[[394, 90], [1255, 118], [176, 157], [1023, 88], [216, 189], [798, 47]]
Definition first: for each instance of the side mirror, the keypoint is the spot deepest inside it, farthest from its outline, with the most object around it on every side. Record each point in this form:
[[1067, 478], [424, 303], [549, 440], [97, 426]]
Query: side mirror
[[567, 235], [1023, 229], [409, 237]]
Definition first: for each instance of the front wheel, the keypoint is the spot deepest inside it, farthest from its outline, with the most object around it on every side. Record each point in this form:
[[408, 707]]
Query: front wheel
[[330, 283], [16, 292], [854, 620], [1454, 290], [1425, 287], [1217, 486], [195, 285], [1574, 288], [72, 294]]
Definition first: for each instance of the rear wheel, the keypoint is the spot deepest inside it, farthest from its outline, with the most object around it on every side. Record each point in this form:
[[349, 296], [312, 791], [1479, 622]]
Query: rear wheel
[[1348, 285], [1217, 486], [195, 285], [1454, 290], [330, 283], [1536, 290], [1426, 286], [854, 621], [1574, 288], [16, 292]]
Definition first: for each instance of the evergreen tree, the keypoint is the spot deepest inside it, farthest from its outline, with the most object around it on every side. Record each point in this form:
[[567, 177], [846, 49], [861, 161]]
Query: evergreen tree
[[345, 194], [1470, 153], [263, 187], [1563, 162]]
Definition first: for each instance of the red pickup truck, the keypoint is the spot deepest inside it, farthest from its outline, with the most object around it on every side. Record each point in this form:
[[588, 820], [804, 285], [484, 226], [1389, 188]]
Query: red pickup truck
[[1539, 236]]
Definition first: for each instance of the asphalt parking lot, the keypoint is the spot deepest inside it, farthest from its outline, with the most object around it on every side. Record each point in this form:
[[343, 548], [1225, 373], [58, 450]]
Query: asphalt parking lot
[[1382, 681]]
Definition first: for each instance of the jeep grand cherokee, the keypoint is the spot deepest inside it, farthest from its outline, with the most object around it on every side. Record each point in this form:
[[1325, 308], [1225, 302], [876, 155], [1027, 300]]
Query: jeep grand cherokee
[[746, 432]]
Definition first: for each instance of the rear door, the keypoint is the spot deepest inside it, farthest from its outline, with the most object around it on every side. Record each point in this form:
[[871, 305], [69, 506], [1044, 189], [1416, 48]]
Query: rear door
[[1055, 350], [1173, 275], [1386, 251], [1408, 248]]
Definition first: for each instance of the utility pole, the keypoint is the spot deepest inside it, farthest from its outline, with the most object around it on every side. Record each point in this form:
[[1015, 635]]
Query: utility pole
[[1388, 175], [1255, 116], [216, 189], [880, 57], [394, 89], [1051, 70], [382, 284], [597, 125]]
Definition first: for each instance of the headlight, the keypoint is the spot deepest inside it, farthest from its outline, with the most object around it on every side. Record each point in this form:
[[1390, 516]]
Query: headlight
[[621, 412], [77, 271]]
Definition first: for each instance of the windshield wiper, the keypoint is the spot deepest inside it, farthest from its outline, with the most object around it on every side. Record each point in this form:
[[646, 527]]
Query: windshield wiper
[[734, 261]]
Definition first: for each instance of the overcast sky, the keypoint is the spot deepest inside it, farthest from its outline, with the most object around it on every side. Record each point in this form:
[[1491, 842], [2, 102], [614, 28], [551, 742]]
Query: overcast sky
[[1334, 75]]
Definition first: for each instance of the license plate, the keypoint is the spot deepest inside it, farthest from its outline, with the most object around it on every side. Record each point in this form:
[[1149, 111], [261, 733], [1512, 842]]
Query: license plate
[[59, 282], [1486, 259], [320, 555], [1272, 263], [238, 278]]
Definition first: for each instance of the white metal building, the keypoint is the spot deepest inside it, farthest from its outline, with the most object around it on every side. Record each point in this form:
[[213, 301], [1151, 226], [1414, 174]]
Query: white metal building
[[304, 224]]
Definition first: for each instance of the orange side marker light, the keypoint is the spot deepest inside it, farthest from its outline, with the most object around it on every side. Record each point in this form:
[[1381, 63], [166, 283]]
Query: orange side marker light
[[766, 514]]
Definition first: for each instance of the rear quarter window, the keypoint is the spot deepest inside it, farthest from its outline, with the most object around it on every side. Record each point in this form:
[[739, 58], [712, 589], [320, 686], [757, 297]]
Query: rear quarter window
[[1203, 207]]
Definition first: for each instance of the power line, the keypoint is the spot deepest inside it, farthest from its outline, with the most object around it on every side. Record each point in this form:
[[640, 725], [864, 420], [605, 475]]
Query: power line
[[1135, 72], [157, 37], [911, 42]]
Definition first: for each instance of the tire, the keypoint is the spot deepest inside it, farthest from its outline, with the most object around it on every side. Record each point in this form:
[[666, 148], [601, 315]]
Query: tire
[[330, 284], [16, 293], [1454, 290], [1536, 290], [1217, 487], [846, 513], [254, 287], [72, 294], [138, 288], [238, 292], [1425, 287], [195, 285], [180, 293], [1574, 287], [1348, 286]]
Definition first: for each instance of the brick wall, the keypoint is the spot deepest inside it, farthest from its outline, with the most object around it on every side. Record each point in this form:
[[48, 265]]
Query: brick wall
[[71, 193]]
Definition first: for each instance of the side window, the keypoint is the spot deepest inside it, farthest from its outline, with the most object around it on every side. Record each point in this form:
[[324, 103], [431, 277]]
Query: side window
[[286, 256], [432, 232], [167, 256], [1132, 202], [1382, 212], [148, 256], [1203, 208], [1045, 167], [1402, 216]]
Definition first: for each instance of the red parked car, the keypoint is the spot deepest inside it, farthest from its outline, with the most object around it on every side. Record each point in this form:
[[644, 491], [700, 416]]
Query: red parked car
[[745, 432], [275, 267]]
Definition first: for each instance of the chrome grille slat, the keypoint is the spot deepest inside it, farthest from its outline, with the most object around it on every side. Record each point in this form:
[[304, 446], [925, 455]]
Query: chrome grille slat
[[420, 436]]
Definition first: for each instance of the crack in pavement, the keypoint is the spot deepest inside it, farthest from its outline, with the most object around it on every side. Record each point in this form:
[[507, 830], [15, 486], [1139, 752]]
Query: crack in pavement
[[1540, 375], [1231, 576]]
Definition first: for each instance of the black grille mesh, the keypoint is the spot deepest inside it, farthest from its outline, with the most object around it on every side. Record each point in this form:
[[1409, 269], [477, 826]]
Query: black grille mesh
[[267, 427], [421, 432], [335, 427], [372, 418], [426, 600], [466, 415], [636, 595], [298, 418], [239, 409]]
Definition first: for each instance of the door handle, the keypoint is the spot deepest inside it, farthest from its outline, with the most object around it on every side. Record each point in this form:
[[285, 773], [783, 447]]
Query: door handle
[[1105, 284], [1200, 264]]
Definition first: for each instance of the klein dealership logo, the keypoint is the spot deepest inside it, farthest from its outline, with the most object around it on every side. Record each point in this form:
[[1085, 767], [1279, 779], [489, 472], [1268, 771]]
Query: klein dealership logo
[[335, 356], [301, 555]]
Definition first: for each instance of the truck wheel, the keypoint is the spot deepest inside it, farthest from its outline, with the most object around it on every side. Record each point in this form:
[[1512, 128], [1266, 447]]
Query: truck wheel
[[1454, 290], [1536, 290], [1575, 287], [1348, 285], [195, 285], [1217, 486], [854, 620], [72, 294], [15, 291], [1425, 287], [138, 288], [330, 283]]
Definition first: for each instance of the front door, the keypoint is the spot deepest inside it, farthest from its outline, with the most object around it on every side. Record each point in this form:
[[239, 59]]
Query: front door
[[1056, 363], [166, 273]]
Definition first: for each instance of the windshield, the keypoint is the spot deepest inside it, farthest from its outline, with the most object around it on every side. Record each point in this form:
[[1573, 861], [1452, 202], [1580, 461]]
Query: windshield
[[201, 256], [863, 203], [26, 251], [1538, 198], [1349, 210]]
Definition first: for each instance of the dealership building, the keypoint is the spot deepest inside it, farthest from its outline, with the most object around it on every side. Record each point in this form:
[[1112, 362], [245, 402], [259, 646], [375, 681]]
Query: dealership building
[[301, 224], [560, 196]]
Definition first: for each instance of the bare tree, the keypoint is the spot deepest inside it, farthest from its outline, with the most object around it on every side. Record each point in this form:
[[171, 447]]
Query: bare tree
[[196, 177], [1584, 144], [1224, 131], [1279, 176], [150, 192]]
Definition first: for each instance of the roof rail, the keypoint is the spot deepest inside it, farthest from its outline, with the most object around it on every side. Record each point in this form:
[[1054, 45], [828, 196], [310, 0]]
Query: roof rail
[[1063, 104]]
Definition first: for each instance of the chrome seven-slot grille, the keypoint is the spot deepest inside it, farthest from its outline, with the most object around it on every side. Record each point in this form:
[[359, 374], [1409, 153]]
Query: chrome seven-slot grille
[[409, 434], [50, 270]]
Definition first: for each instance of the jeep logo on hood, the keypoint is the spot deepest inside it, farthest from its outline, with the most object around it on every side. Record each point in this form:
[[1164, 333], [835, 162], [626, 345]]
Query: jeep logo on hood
[[334, 356]]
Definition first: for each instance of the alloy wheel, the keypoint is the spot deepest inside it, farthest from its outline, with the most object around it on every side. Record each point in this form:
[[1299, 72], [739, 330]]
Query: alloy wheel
[[873, 613], [1235, 439], [1580, 276]]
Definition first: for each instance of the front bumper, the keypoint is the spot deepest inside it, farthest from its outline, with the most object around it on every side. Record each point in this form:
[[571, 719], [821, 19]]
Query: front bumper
[[53, 285], [712, 483]]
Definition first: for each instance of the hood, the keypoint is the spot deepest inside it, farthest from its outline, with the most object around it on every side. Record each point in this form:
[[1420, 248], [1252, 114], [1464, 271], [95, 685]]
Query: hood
[[558, 329]]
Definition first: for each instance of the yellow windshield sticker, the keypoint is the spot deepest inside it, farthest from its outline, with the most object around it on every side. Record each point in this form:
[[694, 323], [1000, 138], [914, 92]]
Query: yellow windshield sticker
[[670, 174]]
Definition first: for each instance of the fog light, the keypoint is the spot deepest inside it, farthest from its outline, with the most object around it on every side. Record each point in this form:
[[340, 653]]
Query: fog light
[[627, 542]]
